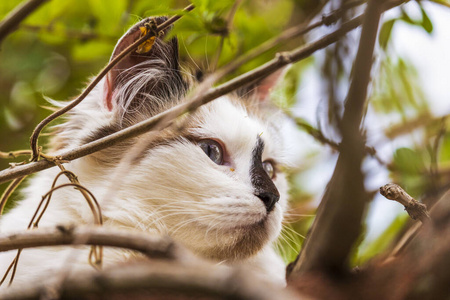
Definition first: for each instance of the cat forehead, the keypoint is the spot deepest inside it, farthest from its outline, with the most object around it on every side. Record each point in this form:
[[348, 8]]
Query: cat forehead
[[230, 121]]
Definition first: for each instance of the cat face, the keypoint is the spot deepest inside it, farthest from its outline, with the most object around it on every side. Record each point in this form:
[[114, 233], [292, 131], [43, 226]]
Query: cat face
[[214, 185], [214, 189]]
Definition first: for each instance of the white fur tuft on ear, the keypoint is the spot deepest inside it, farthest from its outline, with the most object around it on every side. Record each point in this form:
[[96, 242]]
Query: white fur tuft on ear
[[143, 76]]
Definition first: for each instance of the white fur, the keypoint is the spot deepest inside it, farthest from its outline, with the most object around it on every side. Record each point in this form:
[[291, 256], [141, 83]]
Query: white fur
[[175, 189]]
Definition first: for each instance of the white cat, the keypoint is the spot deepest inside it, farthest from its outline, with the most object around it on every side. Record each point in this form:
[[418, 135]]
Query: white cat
[[214, 186]]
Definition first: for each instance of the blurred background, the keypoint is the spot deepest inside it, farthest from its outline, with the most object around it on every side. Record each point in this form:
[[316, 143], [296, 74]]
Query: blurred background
[[58, 49]]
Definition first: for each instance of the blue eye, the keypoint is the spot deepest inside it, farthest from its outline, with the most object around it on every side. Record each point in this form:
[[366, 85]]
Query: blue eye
[[212, 149]]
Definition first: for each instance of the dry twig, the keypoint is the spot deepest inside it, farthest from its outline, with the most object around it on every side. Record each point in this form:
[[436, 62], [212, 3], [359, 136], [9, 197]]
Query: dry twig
[[151, 246], [12, 20], [9, 191], [287, 35], [14, 154], [414, 208], [95, 256]]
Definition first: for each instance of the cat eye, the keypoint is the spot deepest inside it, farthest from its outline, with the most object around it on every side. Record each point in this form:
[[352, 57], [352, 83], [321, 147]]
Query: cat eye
[[213, 150], [269, 168]]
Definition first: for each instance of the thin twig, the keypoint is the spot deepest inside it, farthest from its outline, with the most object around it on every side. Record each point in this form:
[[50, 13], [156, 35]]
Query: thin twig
[[229, 21], [320, 137], [35, 135], [95, 257], [12, 20], [414, 208], [281, 60], [8, 192], [412, 232], [14, 154], [287, 35], [151, 246]]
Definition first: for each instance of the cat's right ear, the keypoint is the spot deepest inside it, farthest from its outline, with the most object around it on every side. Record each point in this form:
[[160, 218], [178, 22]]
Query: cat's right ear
[[141, 76]]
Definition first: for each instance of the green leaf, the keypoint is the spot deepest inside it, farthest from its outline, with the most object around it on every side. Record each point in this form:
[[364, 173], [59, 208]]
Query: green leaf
[[444, 155], [426, 22], [385, 33], [408, 161]]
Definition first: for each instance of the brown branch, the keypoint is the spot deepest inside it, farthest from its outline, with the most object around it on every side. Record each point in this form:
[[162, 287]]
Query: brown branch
[[151, 246], [225, 34], [162, 280], [14, 154], [12, 20], [287, 35], [339, 216], [281, 60], [35, 135], [414, 208], [8, 192], [412, 232], [321, 138]]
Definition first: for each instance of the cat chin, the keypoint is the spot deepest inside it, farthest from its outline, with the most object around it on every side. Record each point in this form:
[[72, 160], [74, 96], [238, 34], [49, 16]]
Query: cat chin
[[235, 242]]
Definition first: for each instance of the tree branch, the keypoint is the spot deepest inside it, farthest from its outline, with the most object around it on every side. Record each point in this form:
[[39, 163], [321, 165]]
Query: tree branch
[[161, 280], [339, 216], [12, 20], [287, 35], [281, 60], [414, 208], [151, 246]]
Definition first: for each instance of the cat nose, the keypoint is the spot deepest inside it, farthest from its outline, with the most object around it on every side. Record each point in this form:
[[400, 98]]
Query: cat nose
[[269, 200]]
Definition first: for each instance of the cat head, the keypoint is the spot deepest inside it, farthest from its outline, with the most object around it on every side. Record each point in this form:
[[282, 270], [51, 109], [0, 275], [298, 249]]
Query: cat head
[[215, 185]]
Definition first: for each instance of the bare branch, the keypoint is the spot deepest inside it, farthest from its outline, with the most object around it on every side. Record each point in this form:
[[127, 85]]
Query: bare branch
[[344, 202], [14, 154], [8, 192], [162, 279], [287, 35], [12, 20], [281, 60], [412, 232], [229, 21], [414, 208], [151, 246]]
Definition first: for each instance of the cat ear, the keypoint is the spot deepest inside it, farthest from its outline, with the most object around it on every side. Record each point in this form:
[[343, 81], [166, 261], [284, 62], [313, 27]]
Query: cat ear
[[260, 90], [145, 73]]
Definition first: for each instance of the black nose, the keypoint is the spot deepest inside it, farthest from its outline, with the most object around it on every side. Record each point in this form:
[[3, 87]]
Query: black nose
[[269, 200]]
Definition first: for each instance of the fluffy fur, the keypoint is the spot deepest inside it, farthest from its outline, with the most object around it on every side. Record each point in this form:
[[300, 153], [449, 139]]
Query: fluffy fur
[[173, 188]]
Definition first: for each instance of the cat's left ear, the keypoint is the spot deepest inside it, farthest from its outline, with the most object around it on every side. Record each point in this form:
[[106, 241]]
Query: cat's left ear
[[150, 71], [261, 89]]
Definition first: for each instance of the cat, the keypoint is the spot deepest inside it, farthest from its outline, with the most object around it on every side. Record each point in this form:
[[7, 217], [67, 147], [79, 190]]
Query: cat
[[215, 186]]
